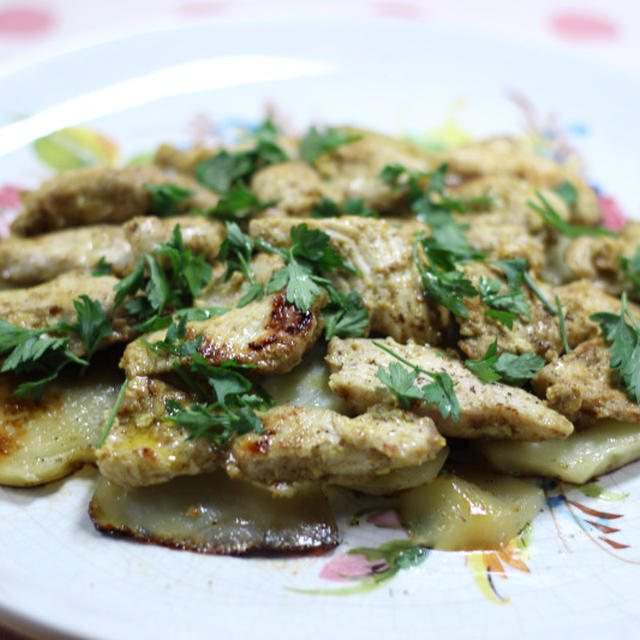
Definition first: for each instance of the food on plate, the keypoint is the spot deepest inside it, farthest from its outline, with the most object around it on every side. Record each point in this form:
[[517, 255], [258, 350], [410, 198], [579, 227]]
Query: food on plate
[[234, 336]]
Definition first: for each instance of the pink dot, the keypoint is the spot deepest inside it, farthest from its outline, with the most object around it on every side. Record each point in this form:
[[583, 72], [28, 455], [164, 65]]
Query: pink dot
[[10, 196], [203, 9], [24, 21], [613, 217], [397, 9], [575, 25]]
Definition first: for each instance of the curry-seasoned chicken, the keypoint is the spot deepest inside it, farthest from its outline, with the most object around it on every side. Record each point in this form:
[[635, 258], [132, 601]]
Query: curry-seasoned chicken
[[353, 169], [582, 386], [201, 235], [221, 292], [293, 188], [503, 156], [28, 261], [541, 333], [300, 444], [510, 197], [47, 304], [101, 194], [271, 334], [388, 280], [598, 259], [34, 259], [487, 410], [297, 444]]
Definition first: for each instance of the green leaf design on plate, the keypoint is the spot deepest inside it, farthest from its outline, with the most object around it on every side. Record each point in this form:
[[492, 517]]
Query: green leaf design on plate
[[594, 490], [75, 148]]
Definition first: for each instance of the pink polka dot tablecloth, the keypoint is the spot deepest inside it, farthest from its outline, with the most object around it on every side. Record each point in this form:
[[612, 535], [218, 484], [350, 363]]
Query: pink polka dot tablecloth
[[606, 32]]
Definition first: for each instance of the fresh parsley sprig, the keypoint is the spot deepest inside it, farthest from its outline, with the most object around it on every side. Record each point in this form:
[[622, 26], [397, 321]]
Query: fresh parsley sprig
[[306, 261], [234, 401], [44, 353], [425, 192], [630, 268], [345, 315], [166, 198], [555, 220], [440, 392], [236, 251], [509, 368], [516, 271], [328, 208], [237, 204], [317, 142], [164, 288], [624, 346], [503, 307]]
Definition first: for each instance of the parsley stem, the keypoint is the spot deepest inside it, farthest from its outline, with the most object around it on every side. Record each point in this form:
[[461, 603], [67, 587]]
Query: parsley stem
[[625, 309], [563, 330], [415, 367], [534, 287], [179, 369], [112, 416]]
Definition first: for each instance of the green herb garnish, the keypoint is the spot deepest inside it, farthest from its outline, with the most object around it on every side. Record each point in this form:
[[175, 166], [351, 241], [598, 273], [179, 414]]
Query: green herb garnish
[[440, 392], [166, 198], [553, 219], [624, 347], [315, 142], [509, 368], [328, 208], [103, 268]]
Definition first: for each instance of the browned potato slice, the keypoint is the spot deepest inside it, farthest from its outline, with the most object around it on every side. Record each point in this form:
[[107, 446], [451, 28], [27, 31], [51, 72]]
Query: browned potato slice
[[480, 511], [46, 440], [213, 514]]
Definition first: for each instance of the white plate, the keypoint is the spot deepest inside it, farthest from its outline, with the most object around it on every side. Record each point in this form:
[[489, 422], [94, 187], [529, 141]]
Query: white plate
[[58, 573]]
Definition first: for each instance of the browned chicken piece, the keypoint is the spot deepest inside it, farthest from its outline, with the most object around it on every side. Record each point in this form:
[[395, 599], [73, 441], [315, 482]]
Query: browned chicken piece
[[200, 234], [388, 281], [181, 160], [503, 241], [486, 410], [143, 449], [293, 187], [221, 293], [300, 444], [100, 194], [271, 334], [297, 444], [540, 334], [598, 259], [582, 386], [36, 259], [503, 156], [353, 169], [509, 200], [52, 302]]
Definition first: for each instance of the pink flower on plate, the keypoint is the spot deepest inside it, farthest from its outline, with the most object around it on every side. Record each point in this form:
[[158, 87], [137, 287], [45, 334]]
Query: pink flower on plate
[[613, 217], [25, 21], [350, 567], [10, 196], [582, 26]]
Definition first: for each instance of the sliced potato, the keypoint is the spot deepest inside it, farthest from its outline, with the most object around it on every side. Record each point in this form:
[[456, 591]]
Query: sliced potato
[[213, 514], [46, 440], [480, 511], [400, 479], [585, 454]]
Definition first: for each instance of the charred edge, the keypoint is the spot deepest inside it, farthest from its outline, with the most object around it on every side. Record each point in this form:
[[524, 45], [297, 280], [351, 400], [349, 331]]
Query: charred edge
[[330, 541]]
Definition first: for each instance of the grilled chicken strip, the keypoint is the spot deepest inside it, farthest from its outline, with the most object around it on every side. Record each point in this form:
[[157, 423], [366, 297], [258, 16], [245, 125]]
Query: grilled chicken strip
[[46, 304], [388, 281], [486, 410], [598, 259], [36, 259], [502, 156], [199, 234], [271, 334], [228, 293], [297, 444], [353, 169], [541, 334], [510, 197], [100, 194], [300, 444], [582, 386], [28, 261]]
